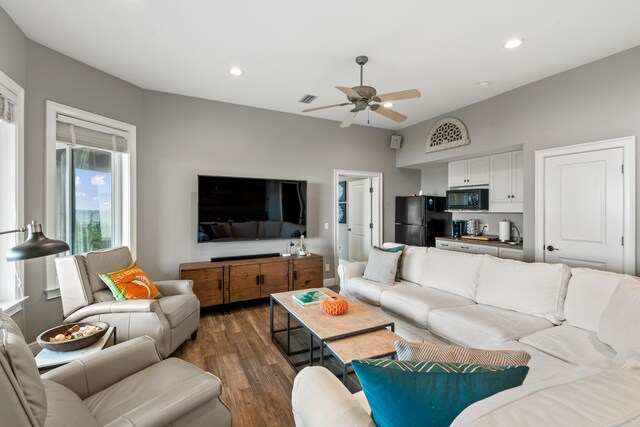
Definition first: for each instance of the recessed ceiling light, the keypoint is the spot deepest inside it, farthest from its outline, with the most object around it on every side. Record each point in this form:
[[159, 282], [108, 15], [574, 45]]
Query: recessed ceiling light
[[484, 83], [387, 104], [235, 71], [514, 43]]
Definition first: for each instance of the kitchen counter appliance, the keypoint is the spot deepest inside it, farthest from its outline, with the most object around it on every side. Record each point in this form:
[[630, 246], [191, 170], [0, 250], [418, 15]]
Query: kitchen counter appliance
[[474, 199]]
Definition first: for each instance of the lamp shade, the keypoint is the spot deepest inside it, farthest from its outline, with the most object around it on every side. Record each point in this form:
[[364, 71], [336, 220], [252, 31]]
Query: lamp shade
[[37, 245]]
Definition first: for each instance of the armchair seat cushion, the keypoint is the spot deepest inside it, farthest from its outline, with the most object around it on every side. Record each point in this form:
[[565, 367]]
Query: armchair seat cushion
[[65, 408], [176, 308], [165, 378]]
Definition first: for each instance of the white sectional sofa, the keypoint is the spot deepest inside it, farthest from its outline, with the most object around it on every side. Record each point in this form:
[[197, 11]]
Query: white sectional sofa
[[549, 310]]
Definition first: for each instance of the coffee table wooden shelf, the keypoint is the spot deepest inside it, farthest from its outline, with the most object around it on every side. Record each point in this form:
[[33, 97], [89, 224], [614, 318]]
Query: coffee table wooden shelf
[[359, 333]]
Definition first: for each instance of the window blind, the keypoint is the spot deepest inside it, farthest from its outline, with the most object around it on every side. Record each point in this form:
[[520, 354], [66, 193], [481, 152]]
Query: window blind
[[79, 132], [7, 109]]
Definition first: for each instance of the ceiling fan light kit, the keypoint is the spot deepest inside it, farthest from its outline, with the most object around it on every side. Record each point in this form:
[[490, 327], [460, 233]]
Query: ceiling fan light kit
[[361, 97]]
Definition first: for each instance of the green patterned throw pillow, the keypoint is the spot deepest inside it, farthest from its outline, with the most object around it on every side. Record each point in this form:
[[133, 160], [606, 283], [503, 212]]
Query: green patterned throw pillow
[[429, 393]]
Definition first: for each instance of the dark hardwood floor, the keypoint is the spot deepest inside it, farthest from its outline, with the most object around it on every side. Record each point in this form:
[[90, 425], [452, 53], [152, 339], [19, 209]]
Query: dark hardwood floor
[[237, 348]]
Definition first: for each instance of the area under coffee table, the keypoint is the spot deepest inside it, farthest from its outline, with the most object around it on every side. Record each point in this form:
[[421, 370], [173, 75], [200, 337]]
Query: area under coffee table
[[325, 329]]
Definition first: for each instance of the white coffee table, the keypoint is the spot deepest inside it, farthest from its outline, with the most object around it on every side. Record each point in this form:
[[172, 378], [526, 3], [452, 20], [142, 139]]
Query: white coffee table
[[48, 359]]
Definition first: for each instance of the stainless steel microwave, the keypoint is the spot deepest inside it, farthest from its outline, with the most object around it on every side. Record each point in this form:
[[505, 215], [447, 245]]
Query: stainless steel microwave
[[474, 199]]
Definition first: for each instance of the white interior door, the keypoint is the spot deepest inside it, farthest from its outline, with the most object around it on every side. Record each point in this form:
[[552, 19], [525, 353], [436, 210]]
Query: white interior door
[[584, 209], [359, 219]]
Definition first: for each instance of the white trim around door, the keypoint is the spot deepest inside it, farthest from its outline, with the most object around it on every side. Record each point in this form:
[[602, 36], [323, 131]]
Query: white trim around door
[[628, 145]]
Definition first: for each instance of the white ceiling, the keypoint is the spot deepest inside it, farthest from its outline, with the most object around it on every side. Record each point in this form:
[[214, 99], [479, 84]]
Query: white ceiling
[[289, 48]]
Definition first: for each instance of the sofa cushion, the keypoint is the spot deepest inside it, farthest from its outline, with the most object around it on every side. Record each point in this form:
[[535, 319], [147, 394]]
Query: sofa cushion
[[483, 326], [620, 319], [541, 366], [453, 353], [65, 408], [415, 303], [538, 289], [573, 345], [370, 291], [429, 393], [178, 307], [157, 380], [588, 293], [101, 262], [272, 229], [382, 265], [453, 272], [578, 397], [19, 357]]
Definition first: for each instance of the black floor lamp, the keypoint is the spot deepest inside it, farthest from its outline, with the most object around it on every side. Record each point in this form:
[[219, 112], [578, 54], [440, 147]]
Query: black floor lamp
[[37, 244]]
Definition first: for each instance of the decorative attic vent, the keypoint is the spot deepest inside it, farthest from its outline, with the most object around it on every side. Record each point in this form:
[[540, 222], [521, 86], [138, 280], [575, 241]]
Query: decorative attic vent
[[447, 133], [308, 99]]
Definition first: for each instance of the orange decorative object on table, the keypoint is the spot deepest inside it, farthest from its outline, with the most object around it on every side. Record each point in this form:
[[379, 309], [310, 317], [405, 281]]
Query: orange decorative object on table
[[335, 306]]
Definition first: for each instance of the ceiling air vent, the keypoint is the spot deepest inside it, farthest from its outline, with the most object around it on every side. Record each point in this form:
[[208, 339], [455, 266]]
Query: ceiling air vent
[[308, 99]]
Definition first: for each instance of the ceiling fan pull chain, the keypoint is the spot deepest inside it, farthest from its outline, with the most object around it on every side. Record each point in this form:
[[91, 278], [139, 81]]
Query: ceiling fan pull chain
[[368, 116]]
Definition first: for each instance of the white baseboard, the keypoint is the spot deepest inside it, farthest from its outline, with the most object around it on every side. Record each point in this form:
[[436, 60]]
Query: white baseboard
[[328, 282]]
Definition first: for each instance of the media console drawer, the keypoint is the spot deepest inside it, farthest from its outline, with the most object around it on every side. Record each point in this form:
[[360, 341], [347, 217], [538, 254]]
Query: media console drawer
[[223, 282]]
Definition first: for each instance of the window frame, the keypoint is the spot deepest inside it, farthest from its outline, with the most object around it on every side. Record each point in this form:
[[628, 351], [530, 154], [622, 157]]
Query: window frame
[[15, 305], [128, 184]]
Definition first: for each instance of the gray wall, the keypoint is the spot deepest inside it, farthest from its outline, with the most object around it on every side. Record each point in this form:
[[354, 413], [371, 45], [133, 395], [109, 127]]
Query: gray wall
[[181, 137], [55, 77], [594, 102], [178, 138]]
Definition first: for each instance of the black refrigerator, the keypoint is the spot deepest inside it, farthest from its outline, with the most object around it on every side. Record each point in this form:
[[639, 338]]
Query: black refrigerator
[[420, 219]]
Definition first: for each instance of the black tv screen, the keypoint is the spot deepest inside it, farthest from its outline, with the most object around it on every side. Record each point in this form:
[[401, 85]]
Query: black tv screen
[[240, 209]]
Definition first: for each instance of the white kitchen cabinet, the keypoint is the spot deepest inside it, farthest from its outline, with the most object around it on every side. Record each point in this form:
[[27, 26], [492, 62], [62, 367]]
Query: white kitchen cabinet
[[464, 247], [471, 172], [479, 248], [486, 249], [506, 182], [446, 245], [510, 253]]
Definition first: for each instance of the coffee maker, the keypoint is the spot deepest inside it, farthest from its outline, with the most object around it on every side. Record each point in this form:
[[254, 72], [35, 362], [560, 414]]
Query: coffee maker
[[458, 228]]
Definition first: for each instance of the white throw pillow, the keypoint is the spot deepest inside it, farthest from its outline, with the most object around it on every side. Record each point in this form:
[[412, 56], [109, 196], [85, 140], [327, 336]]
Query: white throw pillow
[[453, 272], [382, 266], [620, 319], [538, 289], [588, 294]]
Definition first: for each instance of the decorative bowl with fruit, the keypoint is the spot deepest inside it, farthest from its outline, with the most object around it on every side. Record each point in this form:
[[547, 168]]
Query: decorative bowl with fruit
[[72, 336]]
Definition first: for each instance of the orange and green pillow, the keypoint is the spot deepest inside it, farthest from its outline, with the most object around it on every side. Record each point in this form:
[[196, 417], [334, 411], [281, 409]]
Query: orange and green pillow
[[130, 283]]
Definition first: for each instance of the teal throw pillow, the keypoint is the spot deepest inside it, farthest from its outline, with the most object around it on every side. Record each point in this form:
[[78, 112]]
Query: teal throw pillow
[[432, 394]]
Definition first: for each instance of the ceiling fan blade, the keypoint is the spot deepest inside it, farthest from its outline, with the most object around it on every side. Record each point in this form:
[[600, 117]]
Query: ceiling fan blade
[[398, 96], [326, 106], [390, 114], [348, 91], [351, 116]]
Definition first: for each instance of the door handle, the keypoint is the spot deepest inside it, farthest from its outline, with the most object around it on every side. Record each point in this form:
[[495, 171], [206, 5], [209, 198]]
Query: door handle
[[262, 279], [348, 229], [550, 248], [220, 284], [295, 275], [258, 280]]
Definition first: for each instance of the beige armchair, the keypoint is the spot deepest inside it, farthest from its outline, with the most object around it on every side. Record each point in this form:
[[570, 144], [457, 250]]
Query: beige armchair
[[125, 385], [169, 320]]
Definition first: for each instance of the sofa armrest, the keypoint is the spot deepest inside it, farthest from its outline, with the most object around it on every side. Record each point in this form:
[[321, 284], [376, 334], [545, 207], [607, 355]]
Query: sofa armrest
[[350, 270], [97, 371], [174, 287], [319, 399], [126, 306], [166, 408]]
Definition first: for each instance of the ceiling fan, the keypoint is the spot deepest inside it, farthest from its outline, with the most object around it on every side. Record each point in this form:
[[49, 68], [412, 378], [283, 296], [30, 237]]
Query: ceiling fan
[[362, 97]]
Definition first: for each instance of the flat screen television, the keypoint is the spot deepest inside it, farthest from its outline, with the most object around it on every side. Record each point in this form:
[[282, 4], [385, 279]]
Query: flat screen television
[[232, 209]]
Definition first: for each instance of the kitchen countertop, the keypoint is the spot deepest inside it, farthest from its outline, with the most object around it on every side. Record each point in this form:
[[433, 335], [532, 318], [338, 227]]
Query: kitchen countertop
[[494, 243]]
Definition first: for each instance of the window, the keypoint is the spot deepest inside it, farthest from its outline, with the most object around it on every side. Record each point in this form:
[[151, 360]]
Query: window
[[91, 196], [11, 189]]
